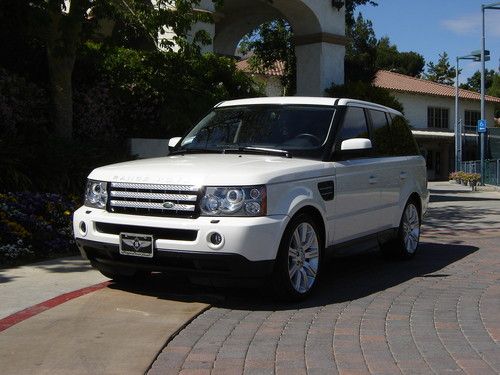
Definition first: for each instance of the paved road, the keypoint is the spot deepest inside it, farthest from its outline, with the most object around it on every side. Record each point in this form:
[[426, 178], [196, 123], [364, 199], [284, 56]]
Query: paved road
[[438, 313]]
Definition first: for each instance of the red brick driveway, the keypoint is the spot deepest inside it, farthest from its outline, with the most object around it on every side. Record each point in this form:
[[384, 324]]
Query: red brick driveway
[[438, 313]]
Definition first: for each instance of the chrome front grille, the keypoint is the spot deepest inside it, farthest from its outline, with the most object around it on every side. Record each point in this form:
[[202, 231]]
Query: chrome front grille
[[154, 199]]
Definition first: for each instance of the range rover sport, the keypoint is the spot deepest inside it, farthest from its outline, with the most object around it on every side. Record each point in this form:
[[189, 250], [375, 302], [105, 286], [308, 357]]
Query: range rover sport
[[263, 188]]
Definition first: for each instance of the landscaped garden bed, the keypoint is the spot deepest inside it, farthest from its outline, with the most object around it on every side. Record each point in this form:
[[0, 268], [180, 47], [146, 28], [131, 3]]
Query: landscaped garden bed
[[35, 226], [470, 179]]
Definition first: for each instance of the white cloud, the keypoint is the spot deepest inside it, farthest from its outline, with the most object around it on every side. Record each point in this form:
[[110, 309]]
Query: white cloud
[[471, 24], [463, 25]]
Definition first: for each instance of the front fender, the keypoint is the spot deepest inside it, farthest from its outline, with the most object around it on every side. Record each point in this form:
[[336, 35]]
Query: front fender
[[291, 200]]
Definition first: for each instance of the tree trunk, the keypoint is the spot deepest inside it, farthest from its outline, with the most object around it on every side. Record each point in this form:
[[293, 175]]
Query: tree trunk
[[61, 90], [63, 38]]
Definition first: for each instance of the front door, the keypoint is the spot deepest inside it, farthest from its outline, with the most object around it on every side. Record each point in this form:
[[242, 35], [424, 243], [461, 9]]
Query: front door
[[357, 183]]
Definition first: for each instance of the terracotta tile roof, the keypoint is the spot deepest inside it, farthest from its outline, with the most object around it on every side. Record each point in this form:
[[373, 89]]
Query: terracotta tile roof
[[277, 70], [400, 82]]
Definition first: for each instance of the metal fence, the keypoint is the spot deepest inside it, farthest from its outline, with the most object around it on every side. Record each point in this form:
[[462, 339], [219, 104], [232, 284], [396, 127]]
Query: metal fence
[[491, 170]]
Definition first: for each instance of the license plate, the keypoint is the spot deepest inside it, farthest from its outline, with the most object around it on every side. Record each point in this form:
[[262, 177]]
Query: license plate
[[137, 245]]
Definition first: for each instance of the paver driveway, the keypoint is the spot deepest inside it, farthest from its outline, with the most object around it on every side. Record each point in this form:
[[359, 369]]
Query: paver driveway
[[438, 313]]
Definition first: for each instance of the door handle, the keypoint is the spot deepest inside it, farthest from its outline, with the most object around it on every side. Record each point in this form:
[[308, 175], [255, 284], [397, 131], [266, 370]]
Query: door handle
[[372, 180], [403, 175]]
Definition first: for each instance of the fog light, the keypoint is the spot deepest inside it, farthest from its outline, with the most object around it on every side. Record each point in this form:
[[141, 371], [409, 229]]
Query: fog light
[[83, 228], [215, 240]]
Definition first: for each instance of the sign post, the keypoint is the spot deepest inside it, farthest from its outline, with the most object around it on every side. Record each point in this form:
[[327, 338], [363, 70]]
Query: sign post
[[481, 126], [481, 129]]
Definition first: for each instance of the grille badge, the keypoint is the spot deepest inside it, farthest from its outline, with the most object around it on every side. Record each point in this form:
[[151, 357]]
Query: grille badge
[[168, 204]]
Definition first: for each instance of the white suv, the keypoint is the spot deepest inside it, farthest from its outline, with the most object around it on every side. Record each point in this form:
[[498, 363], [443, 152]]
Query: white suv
[[261, 188]]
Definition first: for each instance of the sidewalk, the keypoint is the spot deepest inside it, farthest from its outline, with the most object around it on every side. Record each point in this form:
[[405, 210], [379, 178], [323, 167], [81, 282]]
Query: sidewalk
[[25, 286], [107, 329]]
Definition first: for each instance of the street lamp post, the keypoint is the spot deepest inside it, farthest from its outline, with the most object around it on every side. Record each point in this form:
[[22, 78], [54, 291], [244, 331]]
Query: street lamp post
[[483, 60], [476, 56]]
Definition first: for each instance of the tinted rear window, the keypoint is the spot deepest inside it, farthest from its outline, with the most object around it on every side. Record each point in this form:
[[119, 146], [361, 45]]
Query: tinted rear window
[[381, 135], [404, 143]]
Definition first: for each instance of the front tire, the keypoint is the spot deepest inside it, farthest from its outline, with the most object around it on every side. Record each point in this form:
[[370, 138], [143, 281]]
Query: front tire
[[299, 259]]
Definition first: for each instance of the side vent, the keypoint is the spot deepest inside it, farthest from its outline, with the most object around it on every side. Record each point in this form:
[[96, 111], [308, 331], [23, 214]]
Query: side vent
[[327, 190]]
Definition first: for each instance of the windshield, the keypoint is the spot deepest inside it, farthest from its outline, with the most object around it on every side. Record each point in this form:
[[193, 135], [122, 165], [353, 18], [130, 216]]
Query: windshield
[[293, 128]]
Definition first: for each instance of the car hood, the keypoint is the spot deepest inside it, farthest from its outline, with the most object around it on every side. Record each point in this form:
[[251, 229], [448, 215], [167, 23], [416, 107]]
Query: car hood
[[213, 169]]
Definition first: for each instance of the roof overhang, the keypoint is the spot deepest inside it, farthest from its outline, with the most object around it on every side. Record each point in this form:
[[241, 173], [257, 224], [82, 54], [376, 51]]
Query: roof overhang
[[429, 134]]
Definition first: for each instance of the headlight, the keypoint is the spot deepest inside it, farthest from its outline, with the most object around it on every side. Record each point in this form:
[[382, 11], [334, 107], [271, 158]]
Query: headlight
[[96, 194], [234, 201]]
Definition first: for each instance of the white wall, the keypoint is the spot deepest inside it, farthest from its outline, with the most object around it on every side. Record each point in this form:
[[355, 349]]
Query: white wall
[[415, 108]]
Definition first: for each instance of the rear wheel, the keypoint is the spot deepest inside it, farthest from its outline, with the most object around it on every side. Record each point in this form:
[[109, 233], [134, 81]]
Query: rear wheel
[[299, 259], [408, 236]]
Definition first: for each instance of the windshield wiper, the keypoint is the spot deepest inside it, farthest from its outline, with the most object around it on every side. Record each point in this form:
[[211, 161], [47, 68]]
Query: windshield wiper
[[194, 151], [258, 150]]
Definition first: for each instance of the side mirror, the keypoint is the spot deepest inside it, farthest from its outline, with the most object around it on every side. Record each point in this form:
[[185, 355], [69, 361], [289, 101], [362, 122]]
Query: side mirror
[[172, 142], [356, 144]]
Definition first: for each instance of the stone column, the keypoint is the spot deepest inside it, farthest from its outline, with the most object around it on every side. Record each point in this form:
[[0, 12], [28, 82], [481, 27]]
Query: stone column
[[320, 62]]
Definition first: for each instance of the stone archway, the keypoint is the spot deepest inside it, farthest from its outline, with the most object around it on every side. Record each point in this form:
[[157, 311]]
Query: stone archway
[[319, 34]]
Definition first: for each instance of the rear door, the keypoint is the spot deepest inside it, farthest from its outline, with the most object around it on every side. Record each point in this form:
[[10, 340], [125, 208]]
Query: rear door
[[389, 168]]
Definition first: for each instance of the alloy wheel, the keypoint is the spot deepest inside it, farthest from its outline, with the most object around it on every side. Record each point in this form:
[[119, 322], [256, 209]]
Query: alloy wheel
[[303, 257], [411, 228]]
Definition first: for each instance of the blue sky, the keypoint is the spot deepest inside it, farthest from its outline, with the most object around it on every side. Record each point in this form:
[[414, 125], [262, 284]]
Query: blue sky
[[430, 27]]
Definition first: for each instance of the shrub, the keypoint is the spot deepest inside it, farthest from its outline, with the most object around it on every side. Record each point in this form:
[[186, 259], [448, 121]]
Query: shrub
[[97, 114], [50, 164], [471, 179], [34, 226], [23, 105], [157, 94]]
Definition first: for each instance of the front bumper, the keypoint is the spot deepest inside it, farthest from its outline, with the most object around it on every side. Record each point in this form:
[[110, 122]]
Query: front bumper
[[191, 263], [252, 239]]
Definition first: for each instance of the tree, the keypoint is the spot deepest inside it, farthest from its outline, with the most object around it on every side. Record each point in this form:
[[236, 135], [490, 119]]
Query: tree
[[361, 52], [441, 72], [474, 82], [270, 43], [494, 89], [61, 26], [350, 7], [389, 58]]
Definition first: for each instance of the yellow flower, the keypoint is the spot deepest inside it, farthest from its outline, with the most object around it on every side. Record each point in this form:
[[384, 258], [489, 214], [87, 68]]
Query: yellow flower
[[67, 213], [17, 229]]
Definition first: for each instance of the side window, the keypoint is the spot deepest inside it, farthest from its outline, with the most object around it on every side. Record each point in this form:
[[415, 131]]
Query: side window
[[353, 126], [381, 134], [404, 143]]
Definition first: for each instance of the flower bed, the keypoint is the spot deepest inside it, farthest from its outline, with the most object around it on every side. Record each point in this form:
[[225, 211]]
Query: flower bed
[[471, 179], [35, 226]]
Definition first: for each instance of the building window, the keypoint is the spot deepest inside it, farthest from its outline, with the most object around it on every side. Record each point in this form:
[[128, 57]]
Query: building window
[[437, 117], [471, 118]]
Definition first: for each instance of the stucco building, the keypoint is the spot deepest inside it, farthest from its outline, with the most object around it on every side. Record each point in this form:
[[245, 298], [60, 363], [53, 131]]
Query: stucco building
[[318, 29], [430, 109]]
